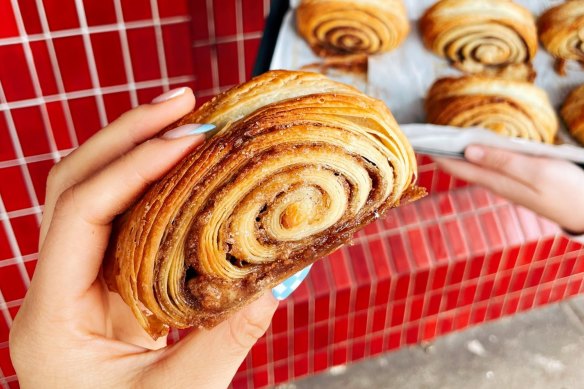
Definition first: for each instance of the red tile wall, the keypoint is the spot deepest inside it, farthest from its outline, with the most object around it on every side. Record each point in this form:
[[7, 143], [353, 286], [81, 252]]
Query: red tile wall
[[457, 258]]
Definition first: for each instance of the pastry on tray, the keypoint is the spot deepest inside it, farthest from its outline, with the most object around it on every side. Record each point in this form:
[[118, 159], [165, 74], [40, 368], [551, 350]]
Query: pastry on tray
[[573, 113], [490, 37], [299, 163], [513, 108], [561, 31], [341, 27]]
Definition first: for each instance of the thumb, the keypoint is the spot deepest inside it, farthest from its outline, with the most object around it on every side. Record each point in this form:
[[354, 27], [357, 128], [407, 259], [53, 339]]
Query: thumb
[[210, 358]]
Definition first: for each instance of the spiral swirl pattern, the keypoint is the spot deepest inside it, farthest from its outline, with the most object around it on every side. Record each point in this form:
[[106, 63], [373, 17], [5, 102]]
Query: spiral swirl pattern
[[491, 37], [338, 27], [298, 165], [513, 108], [573, 113], [561, 31]]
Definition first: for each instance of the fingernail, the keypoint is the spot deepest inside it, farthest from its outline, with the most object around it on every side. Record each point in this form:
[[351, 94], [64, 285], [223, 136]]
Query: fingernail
[[474, 153], [286, 288], [171, 94], [188, 129]]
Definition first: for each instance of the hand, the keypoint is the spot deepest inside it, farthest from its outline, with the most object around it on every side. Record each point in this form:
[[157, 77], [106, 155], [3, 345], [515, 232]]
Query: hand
[[550, 187], [71, 331]]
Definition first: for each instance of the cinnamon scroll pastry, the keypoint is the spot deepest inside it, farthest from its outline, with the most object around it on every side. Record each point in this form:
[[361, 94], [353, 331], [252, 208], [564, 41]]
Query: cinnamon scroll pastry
[[512, 108], [298, 165], [340, 27], [490, 37], [573, 113], [561, 31]]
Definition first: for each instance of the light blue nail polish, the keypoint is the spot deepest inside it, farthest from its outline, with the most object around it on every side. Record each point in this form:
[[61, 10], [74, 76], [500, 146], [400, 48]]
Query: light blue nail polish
[[203, 129], [286, 288]]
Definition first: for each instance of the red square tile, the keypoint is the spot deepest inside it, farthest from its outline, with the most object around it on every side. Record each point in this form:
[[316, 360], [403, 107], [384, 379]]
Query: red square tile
[[543, 295], [5, 363], [59, 126], [419, 249], [320, 361], [73, 63], [44, 67], [259, 354], [397, 314], [39, 171], [7, 150], [30, 16], [543, 249], [573, 287], [13, 189], [376, 345], [301, 366], [567, 267], [433, 304], [281, 374], [340, 355], [107, 51], [85, 117], [341, 330], [444, 325], [15, 76], [426, 209], [558, 292], [30, 267], [358, 263], [239, 382], [526, 301], [14, 385], [502, 285], [358, 350], [551, 271], [474, 235], [260, 378], [518, 281], [393, 340], [321, 336], [475, 267], [467, 294], [429, 330], [253, 16], [451, 299], [300, 341], [485, 290], [100, 12], [425, 179], [280, 348], [203, 65], [251, 48], [439, 279], [560, 246], [443, 181], [8, 27], [495, 310], [136, 10], [479, 197], [489, 225], [13, 282], [457, 272], [31, 130], [4, 330], [399, 253], [526, 253], [379, 317], [455, 238], [225, 18], [172, 8], [321, 308], [26, 230], [493, 262], [177, 42], [511, 256], [534, 276], [438, 244], [228, 59], [199, 27], [359, 325], [416, 308], [401, 287], [421, 282], [382, 294], [144, 54], [342, 302], [116, 104], [362, 298], [61, 14], [5, 250]]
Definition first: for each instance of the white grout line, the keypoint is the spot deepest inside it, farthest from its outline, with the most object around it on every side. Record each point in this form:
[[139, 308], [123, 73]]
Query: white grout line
[[14, 261], [57, 74], [13, 242], [126, 53], [160, 45], [91, 62], [228, 39], [266, 8], [211, 30], [20, 212], [35, 78], [48, 35], [240, 46], [91, 92], [10, 304], [32, 159], [19, 154]]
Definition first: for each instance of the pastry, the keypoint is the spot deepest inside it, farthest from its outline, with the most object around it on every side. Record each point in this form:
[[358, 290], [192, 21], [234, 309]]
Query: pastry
[[340, 27], [561, 31], [508, 107], [573, 113], [491, 37], [299, 163]]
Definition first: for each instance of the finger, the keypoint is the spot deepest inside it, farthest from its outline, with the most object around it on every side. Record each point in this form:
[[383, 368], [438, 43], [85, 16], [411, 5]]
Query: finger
[[120, 136], [79, 232], [517, 166], [210, 358], [501, 184]]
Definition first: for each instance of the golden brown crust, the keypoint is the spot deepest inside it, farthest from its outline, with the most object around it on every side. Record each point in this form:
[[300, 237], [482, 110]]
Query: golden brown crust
[[560, 31], [512, 108], [488, 37], [298, 165], [573, 113], [340, 27]]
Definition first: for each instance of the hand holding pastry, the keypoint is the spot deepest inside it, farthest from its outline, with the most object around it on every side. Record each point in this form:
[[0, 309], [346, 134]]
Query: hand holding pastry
[[71, 331], [550, 187]]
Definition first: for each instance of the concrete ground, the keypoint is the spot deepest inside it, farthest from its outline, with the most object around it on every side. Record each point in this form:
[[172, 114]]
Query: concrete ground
[[543, 348]]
